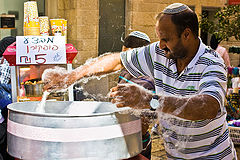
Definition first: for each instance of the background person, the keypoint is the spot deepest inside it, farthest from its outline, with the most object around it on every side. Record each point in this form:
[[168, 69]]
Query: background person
[[134, 40], [214, 44], [190, 83], [5, 95]]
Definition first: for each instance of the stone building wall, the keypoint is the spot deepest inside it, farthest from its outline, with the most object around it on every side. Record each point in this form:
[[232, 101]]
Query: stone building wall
[[83, 17], [141, 13]]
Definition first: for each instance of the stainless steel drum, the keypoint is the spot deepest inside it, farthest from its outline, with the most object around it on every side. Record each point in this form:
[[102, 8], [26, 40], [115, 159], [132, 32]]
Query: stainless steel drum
[[72, 130]]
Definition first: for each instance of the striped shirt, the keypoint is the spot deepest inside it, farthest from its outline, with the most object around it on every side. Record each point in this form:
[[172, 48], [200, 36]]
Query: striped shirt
[[205, 74], [5, 73]]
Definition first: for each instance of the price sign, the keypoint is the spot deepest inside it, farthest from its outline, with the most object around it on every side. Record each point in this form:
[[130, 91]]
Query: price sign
[[40, 50]]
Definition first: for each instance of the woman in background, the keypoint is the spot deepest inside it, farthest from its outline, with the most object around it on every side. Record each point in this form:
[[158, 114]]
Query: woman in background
[[214, 44]]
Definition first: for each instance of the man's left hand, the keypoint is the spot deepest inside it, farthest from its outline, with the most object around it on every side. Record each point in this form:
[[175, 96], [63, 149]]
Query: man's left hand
[[130, 95]]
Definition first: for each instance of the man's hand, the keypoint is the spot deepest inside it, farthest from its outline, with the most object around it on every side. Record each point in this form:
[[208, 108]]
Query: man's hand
[[130, 95], [56, 79]]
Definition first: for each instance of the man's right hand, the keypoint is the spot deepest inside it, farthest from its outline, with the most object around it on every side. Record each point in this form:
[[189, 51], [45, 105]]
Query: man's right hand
[[56, 79]]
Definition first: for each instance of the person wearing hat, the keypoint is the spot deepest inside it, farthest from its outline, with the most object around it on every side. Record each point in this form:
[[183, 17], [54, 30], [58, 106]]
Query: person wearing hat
[[190, 82], [134, 40]]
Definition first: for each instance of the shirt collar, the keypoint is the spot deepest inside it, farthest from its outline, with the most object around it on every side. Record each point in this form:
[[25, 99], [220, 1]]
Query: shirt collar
[[200, 51]]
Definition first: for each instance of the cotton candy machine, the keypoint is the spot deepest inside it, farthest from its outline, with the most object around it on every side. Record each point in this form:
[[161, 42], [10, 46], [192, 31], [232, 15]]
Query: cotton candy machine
[[72, 130]]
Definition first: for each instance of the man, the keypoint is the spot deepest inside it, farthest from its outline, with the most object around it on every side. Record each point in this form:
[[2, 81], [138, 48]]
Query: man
[[190, 83]]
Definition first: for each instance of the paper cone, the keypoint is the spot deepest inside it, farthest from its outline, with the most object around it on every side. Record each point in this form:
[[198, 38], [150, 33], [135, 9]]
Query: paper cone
[[57, 25], [31, 20], [44, 26]]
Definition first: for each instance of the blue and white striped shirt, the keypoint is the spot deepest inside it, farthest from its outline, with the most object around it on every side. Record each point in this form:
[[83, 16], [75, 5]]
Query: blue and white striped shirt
[[205, 74]]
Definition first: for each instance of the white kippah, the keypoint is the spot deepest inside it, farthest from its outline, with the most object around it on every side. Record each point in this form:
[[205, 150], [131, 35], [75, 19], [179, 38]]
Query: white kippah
[[175, 8], [141, 35]]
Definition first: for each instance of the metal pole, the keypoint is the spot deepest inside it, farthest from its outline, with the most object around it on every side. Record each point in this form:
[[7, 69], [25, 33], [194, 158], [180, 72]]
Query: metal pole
[[70, 89], [13, 83]]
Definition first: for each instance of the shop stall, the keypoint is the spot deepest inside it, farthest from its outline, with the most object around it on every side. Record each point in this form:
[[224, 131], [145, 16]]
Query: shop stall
[[26, 76], [233, 99], [66, 129]]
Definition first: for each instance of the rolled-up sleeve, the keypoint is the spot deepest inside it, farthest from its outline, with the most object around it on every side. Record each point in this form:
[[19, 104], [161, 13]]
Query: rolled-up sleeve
[[214, 82], [139, 61]]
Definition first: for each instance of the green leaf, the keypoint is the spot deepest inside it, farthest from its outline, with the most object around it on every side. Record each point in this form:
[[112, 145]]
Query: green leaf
[[227, 23]]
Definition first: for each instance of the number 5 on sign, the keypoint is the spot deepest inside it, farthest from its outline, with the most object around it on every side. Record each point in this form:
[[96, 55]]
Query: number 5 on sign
[[40, 50]]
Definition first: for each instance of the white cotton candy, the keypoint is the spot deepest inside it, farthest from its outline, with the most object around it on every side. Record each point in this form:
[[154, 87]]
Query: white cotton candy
[[41, 106]]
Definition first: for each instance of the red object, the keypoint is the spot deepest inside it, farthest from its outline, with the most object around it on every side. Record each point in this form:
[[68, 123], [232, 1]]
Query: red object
[[71, 52], [10, 54], [233, 2]]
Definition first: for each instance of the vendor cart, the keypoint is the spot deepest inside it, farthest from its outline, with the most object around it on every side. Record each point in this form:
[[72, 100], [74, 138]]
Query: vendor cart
[[32, 92]]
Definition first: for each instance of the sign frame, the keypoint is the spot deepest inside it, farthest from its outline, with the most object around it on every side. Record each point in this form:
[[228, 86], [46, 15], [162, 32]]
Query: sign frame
[[40, 50]]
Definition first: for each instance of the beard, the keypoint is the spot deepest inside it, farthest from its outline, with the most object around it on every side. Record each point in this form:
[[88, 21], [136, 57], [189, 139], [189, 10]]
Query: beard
[[178, 52]]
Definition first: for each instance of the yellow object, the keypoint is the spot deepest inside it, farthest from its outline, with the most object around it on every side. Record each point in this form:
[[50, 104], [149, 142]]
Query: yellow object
[[23, 99], [65, 29], [44, 26], [235, 90], [57, 25], [31, 20], [32, 31]]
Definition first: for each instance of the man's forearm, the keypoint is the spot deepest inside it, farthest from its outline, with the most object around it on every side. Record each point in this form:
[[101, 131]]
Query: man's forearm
[[192, 108], [99, 66]]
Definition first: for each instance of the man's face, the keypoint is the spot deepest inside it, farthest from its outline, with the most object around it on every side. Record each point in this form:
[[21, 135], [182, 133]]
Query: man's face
[[170, 41]]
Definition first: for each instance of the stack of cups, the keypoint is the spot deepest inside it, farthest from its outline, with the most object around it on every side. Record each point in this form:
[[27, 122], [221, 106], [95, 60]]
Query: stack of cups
[[65, 29], [31, 20], [59, 27], [44, 26]]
